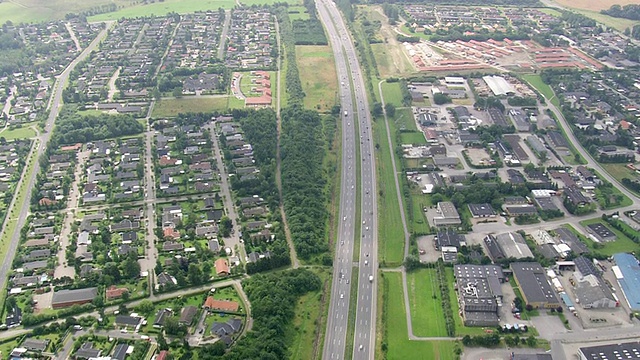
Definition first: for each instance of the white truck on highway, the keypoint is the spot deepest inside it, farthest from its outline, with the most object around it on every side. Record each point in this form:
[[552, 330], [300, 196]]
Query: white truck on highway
[[370, 278], [346, 113]]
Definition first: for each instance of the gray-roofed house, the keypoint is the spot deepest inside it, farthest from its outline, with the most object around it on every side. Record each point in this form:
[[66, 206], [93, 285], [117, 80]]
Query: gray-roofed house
[[35, 345], [120, 352], [87, 351]]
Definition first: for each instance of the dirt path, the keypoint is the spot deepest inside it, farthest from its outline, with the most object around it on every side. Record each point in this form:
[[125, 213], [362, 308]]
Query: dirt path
[[112, 84], [287, 233], [400, 62]]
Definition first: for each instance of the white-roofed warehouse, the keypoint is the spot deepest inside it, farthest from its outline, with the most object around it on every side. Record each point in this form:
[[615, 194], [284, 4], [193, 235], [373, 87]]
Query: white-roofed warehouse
[[498, 85]]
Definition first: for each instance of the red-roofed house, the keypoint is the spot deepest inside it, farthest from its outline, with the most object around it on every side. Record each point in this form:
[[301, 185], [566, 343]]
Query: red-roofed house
[[222, 267], [171, 233], [625, 124], [163, 355], [113, 292]]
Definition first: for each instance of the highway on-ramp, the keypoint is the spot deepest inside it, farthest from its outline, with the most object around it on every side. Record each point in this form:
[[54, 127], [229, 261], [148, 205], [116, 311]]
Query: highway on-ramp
[[355, 118]]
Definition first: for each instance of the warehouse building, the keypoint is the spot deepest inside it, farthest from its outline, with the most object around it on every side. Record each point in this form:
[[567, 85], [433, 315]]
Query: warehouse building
[[590, 289], [628, 350], [627, 274], [514, 246], [479, 293], [533, 284], [448, 215]]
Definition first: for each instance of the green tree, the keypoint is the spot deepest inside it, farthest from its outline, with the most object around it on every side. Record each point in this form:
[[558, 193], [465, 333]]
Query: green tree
[[145, 307], [390, 109]]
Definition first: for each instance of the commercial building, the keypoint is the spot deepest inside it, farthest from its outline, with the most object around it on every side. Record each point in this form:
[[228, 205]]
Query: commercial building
[[628, 350], [601, 232], [498, 85], [449, 238], [479, 293], [481, 210], [627, 274], [66, 298], [448, 215], [513, 245], [533, 284], [590, 289]]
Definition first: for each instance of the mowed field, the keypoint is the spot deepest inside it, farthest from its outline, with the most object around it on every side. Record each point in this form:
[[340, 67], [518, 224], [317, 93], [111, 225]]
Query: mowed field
[[173, 106], [318, 74], [594, 5], [44, 10], [425, 299], [395, 327]]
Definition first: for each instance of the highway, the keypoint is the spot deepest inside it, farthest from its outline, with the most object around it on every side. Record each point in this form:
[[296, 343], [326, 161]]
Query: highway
[[55, 104], [355, 112]]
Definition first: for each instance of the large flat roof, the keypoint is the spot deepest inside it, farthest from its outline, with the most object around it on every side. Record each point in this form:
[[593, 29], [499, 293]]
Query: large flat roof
[[513, 245], [498, 85], [630, 281], [628, 350], [533, 283], [65, 296]]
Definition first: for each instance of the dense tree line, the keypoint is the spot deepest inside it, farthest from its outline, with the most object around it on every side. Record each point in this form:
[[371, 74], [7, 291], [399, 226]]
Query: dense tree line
[[303, 179], [522, 101], [292, 75], [273, 297], [629, 11], [72, 127], [450, 323], [392, 12], [309, 32]]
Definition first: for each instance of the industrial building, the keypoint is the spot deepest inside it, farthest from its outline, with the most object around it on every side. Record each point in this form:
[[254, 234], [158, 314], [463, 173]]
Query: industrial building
[[479, 293], [535, 288], [627, 274], [514, 246], [448, 215], [590, 289], [498, 85], [628, 350]]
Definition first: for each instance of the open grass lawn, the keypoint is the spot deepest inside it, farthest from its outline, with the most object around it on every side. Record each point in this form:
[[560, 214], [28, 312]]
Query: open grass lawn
[[536, 81], [425, 299], [415, 138], [392, 94], [6, 347], [391, 235], [395, 327], [24, 132], [39, 11], [618, 171], [168, 107], [593, 5], [162, 8], [418, 223], [306, 323], [318, 76], [404, 119], [268, 2], [591, 8], [621, 244]]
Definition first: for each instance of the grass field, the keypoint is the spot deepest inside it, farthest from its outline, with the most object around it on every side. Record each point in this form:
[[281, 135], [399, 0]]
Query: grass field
[[425, 300], [173, 106], [306, 321], [162, 8], [318, 75], [392, 93], [620, 171], [536, 81], [391, 238], [610, 21], [18, 133], [593, 5], [395, 327], [621, 244], [415, 138], [418, 223]]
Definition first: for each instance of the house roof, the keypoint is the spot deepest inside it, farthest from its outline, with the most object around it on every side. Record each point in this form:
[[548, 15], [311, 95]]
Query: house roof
[[223, 305], [222, 267], [66, 296]]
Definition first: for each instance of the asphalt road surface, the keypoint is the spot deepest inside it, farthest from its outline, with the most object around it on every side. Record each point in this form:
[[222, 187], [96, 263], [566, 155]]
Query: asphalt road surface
[[355, 112]]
